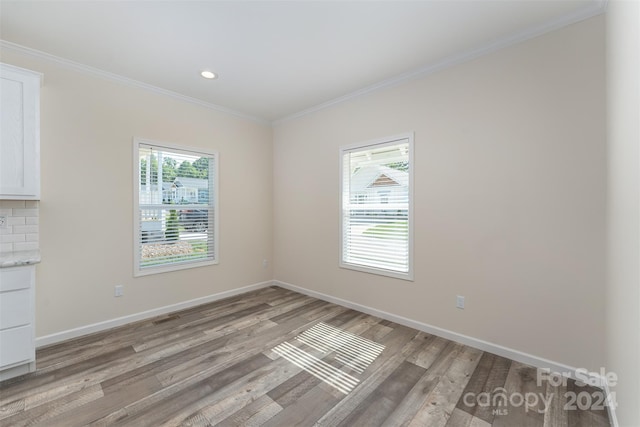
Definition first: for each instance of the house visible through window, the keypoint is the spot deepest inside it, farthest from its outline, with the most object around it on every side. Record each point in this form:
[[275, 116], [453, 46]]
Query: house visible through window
[[376, 207], [175, 218]]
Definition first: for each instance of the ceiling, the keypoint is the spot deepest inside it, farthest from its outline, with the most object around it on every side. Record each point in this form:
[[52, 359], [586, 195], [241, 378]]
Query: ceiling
[[276, 59]]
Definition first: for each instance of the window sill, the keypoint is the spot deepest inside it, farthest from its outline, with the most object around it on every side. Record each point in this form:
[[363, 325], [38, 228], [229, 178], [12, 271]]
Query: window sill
[[378, 271]]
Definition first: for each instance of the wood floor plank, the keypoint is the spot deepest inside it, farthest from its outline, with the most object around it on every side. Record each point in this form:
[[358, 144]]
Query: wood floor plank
[[170, 407], [112, 399], [382, 401], [56, 385], [461, 418], [254, 414], [216, 352], [377, 332], [594, 415], [10, 408], [555, 415], [400, 343], [432, 347], [488, 378], [182, 331], [289, 391], [232, 355], [210, 351], [226, 402], [94, 344], [275, 357], [434, 396], [305, 410], [292, 314], [441, 402], [44, 414], [520, 381], [43, 382], [247, 342], [424, 385]]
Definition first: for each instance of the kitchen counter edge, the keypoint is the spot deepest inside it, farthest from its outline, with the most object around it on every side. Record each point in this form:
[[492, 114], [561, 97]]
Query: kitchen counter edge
[[19, 258]]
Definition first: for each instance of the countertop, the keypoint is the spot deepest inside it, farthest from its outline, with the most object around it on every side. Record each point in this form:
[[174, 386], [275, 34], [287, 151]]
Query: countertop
[[18, 258]]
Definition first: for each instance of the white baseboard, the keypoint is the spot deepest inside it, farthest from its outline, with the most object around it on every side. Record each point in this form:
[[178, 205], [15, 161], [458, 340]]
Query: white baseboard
[[509, 353], [112, 323]]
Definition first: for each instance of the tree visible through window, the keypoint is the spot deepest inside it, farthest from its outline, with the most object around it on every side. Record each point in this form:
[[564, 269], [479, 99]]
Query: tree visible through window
[[376, 207], [175, 212]]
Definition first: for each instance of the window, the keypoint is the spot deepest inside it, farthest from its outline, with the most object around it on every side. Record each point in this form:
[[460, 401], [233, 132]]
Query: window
[[175, 207], [376, 223]]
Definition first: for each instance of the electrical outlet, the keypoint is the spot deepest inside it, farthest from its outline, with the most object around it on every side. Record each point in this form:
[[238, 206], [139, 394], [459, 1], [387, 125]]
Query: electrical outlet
[[460, 301], [265, 263], [119, 291], [3, 221]]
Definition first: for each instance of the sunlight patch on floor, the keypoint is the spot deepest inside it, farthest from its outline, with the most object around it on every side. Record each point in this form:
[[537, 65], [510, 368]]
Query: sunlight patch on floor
[[351, 350], [316, 367]]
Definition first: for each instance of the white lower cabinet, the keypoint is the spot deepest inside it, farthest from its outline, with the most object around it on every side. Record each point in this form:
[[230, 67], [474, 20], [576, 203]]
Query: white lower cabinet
[[17, 321]]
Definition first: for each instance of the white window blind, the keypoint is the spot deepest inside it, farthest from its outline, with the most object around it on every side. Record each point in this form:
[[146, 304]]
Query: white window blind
[[175, 218], [376, 207]]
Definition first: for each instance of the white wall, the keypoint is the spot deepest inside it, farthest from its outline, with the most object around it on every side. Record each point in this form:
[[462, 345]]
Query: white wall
[[510, 179], [86, 211], [623, 135]]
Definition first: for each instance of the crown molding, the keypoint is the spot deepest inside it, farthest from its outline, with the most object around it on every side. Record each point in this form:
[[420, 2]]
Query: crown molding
[[597, 8], [76, 66]]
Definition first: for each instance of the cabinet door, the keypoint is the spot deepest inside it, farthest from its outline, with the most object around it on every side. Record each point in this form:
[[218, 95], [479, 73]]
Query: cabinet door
[[15, 308], [17, 287], [17, 345], [19, 133], [14, 278]]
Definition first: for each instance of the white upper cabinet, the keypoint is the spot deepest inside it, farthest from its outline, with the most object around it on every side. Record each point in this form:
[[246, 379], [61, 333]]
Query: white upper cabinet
[[19, 133]]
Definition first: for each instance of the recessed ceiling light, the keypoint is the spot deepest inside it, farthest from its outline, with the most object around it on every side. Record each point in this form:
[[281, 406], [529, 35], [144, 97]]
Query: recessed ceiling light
[[208, 74]]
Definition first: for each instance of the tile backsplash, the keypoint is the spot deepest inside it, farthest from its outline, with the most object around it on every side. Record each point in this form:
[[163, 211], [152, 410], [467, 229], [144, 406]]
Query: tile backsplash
[[21, 233]]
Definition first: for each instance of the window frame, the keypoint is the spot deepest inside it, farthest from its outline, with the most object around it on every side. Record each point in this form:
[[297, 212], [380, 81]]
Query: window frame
[[137, 270], [361, 146]]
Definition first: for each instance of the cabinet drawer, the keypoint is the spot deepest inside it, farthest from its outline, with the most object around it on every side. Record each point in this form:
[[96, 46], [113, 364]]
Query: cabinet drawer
[[15, 308], [17, 345], [16, 278]]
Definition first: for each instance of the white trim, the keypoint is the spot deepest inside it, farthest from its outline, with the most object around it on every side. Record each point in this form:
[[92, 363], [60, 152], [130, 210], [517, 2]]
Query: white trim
[[391, 140], [490, 347], [136, 203], [598, 8], [76, 66], [165, 268], [119, 321], [183, 149], [16, 69], [450, 61]]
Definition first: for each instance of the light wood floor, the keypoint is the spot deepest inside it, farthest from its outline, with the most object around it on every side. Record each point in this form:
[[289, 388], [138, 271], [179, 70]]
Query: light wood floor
[[277, 358]]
